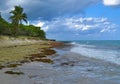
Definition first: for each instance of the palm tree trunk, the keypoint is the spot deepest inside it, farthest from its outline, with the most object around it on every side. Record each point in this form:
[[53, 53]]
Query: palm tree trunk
[[15, 31]]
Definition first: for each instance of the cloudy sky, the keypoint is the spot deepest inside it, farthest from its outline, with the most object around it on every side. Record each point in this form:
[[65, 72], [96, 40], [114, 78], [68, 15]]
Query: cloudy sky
[[71, 19]]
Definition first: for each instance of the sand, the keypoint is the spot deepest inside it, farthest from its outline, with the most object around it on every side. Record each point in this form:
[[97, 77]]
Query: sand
[[68, 68], [16, 51]]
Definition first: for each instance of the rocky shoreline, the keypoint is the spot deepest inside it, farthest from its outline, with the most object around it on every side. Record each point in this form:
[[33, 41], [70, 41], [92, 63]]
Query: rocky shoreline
[[39, 52], [56, 64]]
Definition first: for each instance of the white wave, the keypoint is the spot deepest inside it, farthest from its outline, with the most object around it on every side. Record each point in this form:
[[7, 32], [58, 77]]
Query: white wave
[[73, 43], [89, 51]]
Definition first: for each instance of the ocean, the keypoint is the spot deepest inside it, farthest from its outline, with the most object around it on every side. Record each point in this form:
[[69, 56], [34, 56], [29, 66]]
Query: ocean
[[106, 50]]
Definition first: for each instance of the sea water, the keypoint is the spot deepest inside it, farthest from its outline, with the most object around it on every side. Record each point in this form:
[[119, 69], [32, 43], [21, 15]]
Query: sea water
[[106, 50]]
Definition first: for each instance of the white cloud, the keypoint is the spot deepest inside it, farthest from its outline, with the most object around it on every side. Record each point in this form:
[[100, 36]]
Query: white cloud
[[39, 24], [85, 24], [67, 27], [111, 2]]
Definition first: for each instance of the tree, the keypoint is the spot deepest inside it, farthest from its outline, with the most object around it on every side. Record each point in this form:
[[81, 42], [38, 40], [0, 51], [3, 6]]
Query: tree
[[17, 17], [4, 26], [0, 14], [32, 31]]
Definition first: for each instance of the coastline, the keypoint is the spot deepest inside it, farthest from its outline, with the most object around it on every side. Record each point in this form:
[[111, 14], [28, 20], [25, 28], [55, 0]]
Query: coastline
[[68, 68], [16, 51]]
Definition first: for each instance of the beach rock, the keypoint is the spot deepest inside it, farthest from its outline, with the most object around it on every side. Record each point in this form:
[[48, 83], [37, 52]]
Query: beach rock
[[24, 61], [56, 44], [45, 60], [14, 72], [48, 51], [42, 56], [1, 66], [38, 55], [13, 65], [89, 69], [33, 56], [67, 63]]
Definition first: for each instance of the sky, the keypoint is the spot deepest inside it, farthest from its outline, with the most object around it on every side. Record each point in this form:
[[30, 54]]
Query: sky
[[71, 19]]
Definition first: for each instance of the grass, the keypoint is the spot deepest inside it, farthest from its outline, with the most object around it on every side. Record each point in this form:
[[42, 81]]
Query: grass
[[18, 53], [19, 37], [17, 50]]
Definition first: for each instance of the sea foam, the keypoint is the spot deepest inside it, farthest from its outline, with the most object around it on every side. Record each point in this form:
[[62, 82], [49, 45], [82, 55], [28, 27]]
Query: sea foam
[[94, 51]]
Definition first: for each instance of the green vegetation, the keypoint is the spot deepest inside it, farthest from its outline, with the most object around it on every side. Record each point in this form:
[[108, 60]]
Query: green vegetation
[[31, 30], [16, 28], [4, 27], [17, 17]]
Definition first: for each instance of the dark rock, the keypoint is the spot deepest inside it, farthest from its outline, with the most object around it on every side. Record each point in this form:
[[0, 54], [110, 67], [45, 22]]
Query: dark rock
[[89, 70], [13, 65], [24, 61], [38, 55], [48, 51], [67, 63], [13, 72], [1, 66], [45, 60]]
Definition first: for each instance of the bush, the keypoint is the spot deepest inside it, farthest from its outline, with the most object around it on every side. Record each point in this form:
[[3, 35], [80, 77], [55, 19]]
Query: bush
[[8, 29], [32, 31], [4, 27]]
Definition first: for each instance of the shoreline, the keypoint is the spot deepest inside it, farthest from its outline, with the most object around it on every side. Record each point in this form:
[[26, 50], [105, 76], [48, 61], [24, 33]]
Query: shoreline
[[68, 68], [18, 51]]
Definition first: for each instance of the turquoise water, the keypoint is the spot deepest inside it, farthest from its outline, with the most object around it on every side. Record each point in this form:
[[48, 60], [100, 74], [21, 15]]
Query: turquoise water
[[103, 44], [107, 50]]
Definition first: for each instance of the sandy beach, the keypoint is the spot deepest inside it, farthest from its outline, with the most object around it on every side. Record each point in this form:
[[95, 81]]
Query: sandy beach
[[68, 68], [17, 51]]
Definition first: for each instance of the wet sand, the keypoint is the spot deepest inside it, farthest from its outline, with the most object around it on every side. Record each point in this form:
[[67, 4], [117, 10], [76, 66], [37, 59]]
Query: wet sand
[[40, 73], [68, 68]]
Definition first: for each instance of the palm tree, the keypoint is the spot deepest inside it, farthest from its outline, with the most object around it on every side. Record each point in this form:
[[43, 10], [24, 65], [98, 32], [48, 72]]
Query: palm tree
[[0, 14], [17, 16]]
